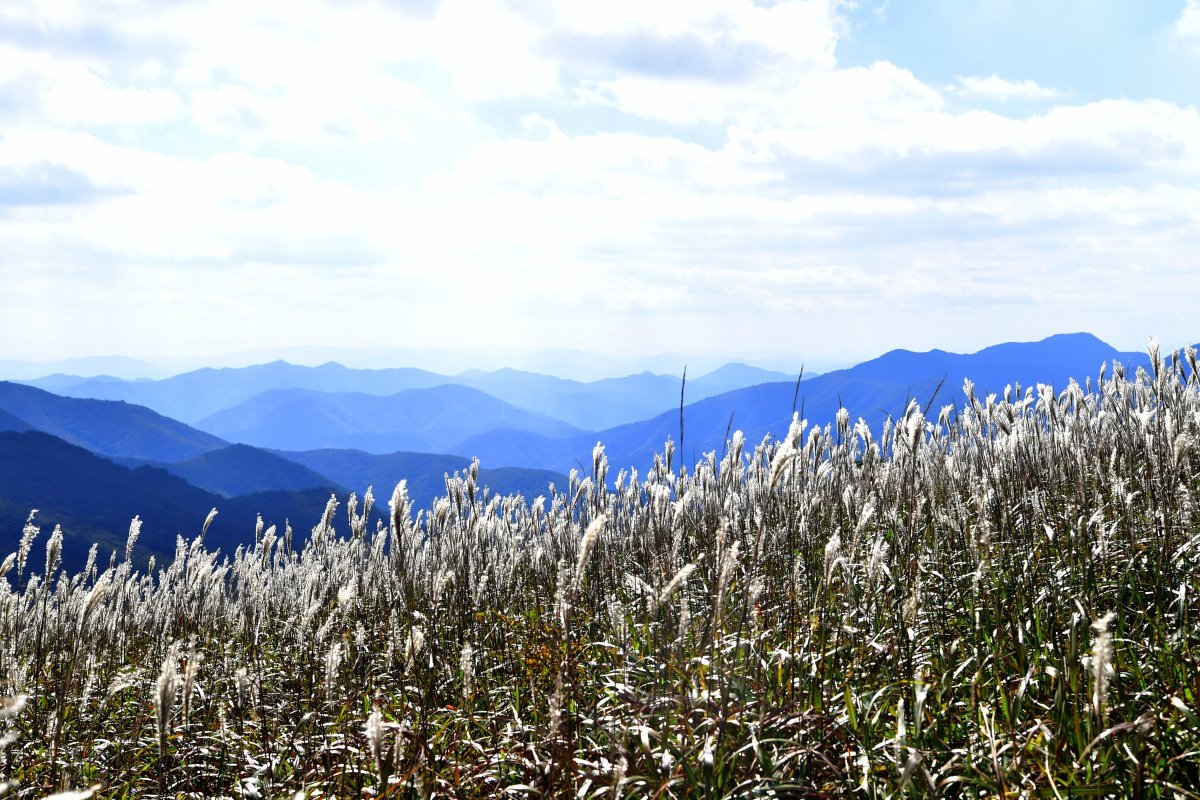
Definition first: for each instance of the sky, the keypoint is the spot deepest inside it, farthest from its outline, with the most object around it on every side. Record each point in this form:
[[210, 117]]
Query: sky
[[806, 181]]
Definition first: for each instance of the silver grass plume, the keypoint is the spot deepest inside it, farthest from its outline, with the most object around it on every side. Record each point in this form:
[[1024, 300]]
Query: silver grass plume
[[242, 682], [333, 662], [13, 705], [1102, 652], [619, 770], [135, 528], [97, 593], [728, 562], [54, 552], [413, 647], [599, 465], [556, 701], [833, 550], [440, 581], [912, 606], [352, 513], [756, 590], [164, 698], [28, 534], [678, 580], [560, 593], [74, 794], [788, 449], [685, 619], [877, 568], [191, 668], [208, 521], [466, 663], [585, 548], [374, 734], [90, 565]]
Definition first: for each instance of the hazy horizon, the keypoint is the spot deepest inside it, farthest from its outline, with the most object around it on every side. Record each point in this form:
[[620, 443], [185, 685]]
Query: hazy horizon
[[567, 364], [570, 364]]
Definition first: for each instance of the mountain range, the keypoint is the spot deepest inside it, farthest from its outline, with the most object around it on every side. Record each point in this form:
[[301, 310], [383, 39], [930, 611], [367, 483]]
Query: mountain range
[[278, 439], [91, 465], [872, 390], [430, 420], [199, 395]]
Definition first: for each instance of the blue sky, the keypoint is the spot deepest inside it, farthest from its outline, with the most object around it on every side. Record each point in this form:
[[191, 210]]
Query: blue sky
[[810, 181]]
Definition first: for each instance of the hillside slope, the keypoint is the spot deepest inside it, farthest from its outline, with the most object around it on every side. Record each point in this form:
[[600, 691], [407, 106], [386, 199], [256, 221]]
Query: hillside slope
[[94, 500], [110, 428], [241, 469]]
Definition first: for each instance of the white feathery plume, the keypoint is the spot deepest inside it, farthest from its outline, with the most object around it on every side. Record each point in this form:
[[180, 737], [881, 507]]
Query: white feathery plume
[[333, 662], [585, 547], [466, 663], [164, 698], [28, 534], [1102, 652], [135, 528]]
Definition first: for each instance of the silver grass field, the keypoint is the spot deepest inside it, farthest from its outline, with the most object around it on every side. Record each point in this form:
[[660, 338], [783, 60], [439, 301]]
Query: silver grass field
[[992, 599]]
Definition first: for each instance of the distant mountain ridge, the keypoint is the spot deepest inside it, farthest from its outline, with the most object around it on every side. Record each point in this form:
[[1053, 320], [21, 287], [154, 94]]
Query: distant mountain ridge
[[872, 390], [338, 441], [194, 396]]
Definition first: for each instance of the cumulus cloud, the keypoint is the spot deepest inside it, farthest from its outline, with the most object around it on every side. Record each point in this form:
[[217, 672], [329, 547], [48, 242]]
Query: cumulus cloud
[[998, 89], [46, 183], [1187, 27], [547, 171]]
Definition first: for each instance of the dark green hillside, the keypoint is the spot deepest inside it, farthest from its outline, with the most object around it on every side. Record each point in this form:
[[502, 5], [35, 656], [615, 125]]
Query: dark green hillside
[[94, 500], [241, 469], [106, 427]]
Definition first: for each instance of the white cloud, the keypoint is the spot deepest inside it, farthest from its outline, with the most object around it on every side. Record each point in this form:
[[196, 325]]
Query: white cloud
[[65, 91], [1187, 27], [998, 89], [552, 171]]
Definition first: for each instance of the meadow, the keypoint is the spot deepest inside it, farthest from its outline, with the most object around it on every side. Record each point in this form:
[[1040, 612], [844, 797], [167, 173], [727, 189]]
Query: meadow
[[989, 599]]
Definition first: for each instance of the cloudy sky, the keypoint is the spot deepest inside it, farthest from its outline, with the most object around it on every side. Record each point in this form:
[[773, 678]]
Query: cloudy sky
[[813, 180]]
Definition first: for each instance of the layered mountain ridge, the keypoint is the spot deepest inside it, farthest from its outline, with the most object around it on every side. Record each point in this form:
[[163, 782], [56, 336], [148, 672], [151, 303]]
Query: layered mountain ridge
[[280, 439]]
